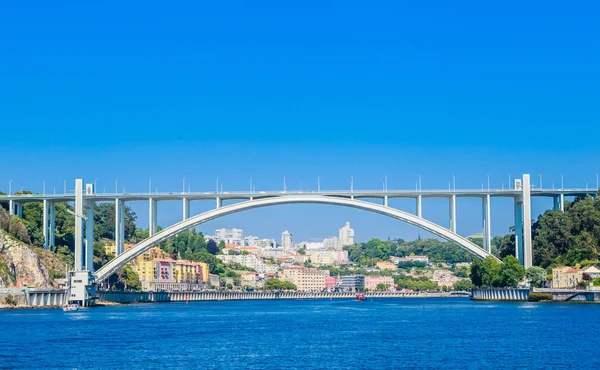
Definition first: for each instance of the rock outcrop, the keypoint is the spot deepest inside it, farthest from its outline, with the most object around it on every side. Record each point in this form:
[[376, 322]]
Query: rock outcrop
[[19, 262]]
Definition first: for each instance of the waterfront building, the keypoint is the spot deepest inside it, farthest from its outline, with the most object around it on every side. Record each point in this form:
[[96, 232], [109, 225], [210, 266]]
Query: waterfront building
[[386, 265], [214, 280], [287, 241], [306, 279], [248, 279], [566, 277], [592, 271], [230, 236], [330, 283], [371, 282], [353, 282], [346, 235]]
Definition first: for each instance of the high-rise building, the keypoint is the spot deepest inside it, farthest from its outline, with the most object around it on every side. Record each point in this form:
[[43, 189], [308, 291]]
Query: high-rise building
[[286, 240], [346, 235], [230, 236]]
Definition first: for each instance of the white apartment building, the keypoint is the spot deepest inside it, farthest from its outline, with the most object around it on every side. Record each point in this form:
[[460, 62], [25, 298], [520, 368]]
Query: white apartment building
[[248, 260], [333, 242], [251, 241], [230, 236], [346, 235], [286, 240], [273, 252], [266, 243], [306, 279]]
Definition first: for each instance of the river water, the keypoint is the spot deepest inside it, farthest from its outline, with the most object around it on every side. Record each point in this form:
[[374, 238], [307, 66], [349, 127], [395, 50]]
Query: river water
[[452, 333]]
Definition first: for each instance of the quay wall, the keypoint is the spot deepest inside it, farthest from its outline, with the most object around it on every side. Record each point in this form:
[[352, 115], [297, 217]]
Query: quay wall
[[522, 294], [139, 297]]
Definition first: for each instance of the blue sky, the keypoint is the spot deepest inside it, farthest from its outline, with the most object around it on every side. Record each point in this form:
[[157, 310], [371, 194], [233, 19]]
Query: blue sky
[[240, 89]]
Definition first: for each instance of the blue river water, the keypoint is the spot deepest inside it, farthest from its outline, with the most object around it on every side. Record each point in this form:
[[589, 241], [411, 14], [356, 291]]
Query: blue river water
[[447, 333]]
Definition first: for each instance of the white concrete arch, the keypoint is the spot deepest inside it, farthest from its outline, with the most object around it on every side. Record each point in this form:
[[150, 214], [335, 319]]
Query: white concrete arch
[[118, 262]]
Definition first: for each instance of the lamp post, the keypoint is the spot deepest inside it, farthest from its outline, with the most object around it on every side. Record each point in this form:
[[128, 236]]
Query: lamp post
[[541, 184], [44, 187], [150, 186], [508, 181], [488, 177], [65, 187], [596, 181], [352, 184], [117, 186], [10, 187]]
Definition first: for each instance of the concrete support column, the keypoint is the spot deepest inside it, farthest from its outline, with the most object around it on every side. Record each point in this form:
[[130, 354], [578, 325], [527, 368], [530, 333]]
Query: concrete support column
[[89, 236], [519, 230], [119, 226], [385, 201], [559, 203], [487, 224], [19, 209], [419, 208], [527, 247], [51, 226], [186, 208], [452, 201], [11, 207], [79, 248], [219, 203], [152, 216], [45, 222]]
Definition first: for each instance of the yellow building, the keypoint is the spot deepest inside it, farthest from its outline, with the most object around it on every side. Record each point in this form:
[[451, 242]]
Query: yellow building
[[566, 277], [386, 265], [110, 248], [205, 272], [185, 271], [306, 279]]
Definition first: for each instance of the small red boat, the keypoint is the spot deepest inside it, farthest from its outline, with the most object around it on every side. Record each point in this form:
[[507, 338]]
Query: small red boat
[[360, 297]]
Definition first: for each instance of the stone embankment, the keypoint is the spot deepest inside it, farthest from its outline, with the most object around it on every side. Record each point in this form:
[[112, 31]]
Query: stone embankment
[[141, 297], [526, 294]]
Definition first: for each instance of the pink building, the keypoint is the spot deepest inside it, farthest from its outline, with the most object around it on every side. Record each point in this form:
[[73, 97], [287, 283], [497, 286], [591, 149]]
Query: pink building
[[330, 282], [371, 282]]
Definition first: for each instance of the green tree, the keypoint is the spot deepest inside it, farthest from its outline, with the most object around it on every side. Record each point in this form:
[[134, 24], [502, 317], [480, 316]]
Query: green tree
[[510, 272], [536, 276], [382, 287], [212, 247], [463, 285]]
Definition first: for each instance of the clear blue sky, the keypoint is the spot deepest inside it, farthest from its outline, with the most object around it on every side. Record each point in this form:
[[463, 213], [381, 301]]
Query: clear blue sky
[[197, 89]]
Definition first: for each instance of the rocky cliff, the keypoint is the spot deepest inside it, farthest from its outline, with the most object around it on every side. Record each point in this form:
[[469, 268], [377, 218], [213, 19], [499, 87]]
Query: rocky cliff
[[20, 262]]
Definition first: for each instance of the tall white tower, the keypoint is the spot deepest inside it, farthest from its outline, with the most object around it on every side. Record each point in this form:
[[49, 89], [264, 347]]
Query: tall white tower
[[286, 240], [346, 235]]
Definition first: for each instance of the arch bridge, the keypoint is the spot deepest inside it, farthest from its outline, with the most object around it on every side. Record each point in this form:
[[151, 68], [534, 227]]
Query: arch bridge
[[85, 199]]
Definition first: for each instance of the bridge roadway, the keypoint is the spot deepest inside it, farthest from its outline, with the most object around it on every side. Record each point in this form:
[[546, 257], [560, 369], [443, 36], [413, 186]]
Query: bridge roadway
[[241, 195]]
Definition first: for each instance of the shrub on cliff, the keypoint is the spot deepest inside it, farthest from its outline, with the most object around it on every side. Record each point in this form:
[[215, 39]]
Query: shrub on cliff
[[10, 300]]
